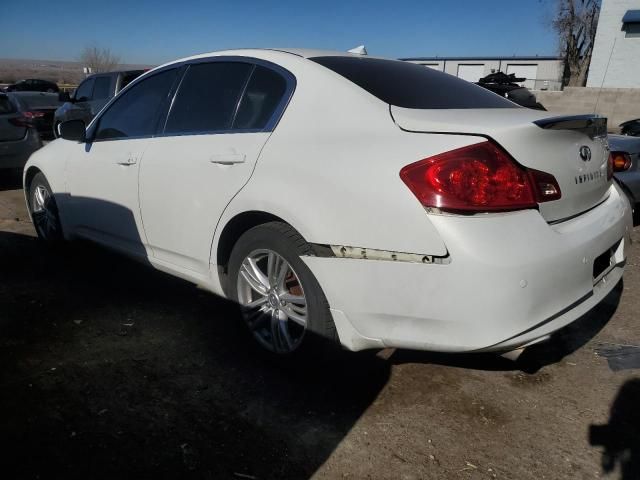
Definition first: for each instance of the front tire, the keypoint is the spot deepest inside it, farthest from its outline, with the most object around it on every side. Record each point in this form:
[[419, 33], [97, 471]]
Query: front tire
[[281, 301], [44, 210]]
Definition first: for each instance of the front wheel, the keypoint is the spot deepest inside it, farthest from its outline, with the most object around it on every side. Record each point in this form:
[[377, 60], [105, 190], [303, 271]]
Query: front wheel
[[281, 301], [44, 211]]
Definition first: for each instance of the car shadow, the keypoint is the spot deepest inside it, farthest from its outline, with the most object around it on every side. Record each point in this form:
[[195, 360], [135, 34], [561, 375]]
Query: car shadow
[[562, 343], [10, 179], [110, 369], [620, 437]]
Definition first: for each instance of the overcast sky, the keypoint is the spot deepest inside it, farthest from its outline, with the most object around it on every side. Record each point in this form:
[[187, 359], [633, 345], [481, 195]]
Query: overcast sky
[[151, 32]]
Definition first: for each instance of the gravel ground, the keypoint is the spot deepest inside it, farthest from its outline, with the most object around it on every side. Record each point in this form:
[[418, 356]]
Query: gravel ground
[[110, 369]]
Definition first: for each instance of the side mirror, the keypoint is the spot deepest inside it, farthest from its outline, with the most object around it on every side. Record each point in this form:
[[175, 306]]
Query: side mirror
[[74, 130], [64, 97]]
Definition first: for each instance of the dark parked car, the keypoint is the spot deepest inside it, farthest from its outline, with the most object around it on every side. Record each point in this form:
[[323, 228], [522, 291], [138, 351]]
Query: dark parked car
[[507, 86], [33, 85], [91, 95], [39, 108], [625, 151], [631, 127], [18, 136]]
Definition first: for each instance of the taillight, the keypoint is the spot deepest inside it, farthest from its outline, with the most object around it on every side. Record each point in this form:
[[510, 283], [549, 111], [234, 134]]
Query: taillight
[[26, 120], [621, 161], [478, 178]]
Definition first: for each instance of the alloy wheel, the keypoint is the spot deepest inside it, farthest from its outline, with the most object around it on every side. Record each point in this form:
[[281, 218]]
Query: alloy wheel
[[44, 213], [273, 301]]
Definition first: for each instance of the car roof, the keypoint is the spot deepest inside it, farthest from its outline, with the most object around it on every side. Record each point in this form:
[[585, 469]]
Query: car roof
[[310, 52], [263, 52]]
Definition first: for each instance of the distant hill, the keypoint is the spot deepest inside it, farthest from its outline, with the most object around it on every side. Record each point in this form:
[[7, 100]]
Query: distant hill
[[12, 70]]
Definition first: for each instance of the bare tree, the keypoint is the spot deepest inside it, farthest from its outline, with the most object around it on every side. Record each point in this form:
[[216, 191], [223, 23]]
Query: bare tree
[[575, 23], [99, 59]]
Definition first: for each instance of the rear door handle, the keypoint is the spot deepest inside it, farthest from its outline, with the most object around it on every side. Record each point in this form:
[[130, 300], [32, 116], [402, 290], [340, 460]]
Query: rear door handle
[[228, 158]]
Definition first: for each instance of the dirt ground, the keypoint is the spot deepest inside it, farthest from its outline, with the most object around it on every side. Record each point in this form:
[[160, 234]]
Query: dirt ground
[[109, 369]]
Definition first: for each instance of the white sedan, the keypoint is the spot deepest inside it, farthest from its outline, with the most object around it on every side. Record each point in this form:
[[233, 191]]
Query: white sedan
[[370, 202]]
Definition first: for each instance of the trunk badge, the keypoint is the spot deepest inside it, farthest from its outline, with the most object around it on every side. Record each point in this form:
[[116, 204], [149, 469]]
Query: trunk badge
[[585, 153]]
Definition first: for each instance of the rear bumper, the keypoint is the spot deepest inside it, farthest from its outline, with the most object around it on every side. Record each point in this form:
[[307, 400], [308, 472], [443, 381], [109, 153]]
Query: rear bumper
[[14, 154], [512, 279]]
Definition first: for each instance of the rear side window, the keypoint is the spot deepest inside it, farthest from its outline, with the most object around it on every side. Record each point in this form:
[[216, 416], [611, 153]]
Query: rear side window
[[102, 88], [83, 92], [6, 106], [408, 85], [207, 98], [262, 96], [135, 112]]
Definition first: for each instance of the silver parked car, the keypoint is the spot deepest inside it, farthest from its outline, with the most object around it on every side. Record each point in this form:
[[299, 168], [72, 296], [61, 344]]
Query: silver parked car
[[19, 137]]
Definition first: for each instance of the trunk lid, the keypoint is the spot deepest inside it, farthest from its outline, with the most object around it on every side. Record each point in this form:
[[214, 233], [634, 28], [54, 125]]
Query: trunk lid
[[573, 149]]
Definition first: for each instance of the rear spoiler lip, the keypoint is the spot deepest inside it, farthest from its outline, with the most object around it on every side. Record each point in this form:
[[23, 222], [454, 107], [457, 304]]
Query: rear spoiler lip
[[595, 126]]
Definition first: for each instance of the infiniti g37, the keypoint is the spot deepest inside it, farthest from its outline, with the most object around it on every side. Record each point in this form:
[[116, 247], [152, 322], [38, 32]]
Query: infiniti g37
[[368, 202]]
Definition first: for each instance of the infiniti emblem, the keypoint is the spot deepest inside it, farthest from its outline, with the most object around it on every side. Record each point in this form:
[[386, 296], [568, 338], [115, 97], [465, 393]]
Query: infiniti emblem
[[585, 153]]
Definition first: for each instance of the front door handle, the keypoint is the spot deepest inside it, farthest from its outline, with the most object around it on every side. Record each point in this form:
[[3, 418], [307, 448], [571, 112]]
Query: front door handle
[[131, 160], [228, 158]]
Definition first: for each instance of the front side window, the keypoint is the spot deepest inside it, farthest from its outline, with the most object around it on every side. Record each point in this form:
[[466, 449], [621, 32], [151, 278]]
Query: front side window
[[262, 96], [83, 92], [101, 88], [135, 112], [207, 98]]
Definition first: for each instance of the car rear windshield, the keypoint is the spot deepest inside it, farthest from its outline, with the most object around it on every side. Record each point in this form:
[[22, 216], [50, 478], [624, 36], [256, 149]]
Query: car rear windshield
[[409, 85], [44, 100]]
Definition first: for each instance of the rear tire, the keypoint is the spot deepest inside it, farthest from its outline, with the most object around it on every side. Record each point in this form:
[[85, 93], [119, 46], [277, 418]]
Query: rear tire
[[44, 211], [289, 313]]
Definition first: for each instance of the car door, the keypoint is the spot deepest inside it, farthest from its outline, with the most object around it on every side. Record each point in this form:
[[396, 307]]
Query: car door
[[102, 174], [220, 118]]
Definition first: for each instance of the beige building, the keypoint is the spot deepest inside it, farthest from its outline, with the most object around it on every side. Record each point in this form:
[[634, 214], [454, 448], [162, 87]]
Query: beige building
[[616, 54], [541, 73]]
